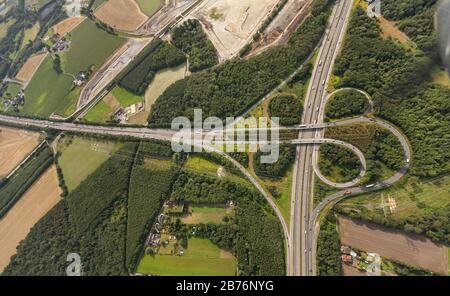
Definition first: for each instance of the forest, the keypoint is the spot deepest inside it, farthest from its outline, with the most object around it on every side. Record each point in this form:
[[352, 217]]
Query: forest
[[231, 88], [329, 248], [278, 169], [346, 104], [288, 108], [192, 40], [338, 163], [397, 80]]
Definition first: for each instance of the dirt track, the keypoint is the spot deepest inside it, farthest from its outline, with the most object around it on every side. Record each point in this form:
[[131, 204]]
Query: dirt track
[[32, 206], [411, 249], [30, 66], [67, 25], [15, 145], [124, 15]]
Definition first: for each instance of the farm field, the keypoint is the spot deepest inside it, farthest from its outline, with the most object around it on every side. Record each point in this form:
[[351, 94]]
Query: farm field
[[163, 79], [47, 91], [124, 15], [233, 22], [205, 215], [15, 145], [32, 206], [201, 258], [149, 7], [67, 25], [89, 47], [393, 244], [125, 98], [30, 67], [81, 156], [97, 4]]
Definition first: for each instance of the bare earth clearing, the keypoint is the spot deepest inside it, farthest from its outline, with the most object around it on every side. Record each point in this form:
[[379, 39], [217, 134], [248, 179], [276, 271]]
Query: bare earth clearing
[[123, 15], [394, 244], [15, 145], [230, 24], [67, 25], [26, 72], [43, 195]]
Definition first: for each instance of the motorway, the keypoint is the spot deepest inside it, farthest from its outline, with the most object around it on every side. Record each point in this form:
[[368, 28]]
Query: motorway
[[303, 169]]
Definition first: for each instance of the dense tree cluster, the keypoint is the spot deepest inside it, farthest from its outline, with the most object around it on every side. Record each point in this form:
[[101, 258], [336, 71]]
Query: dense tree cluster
[[192, 40], [329, 248], [335, 158], [395, 79], [344, 104], [231, 88], [160, 56], [287, 107], [279, 168]]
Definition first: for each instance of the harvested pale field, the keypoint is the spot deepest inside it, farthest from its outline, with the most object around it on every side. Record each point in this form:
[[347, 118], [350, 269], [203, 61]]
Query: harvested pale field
[[30, 66], [122, 15], [230, 24], [394, 244], [43, 195], [111, 101], [15, 145], [67, 25]]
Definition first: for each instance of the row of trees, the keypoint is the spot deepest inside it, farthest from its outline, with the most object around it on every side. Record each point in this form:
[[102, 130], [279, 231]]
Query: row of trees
[[192, 40]]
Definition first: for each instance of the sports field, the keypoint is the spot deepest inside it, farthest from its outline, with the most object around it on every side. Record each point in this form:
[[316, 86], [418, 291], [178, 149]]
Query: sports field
[[149, 7], [81, 156], [31, 207], [201, 258], [89, 47], [47, 91], [15, 145]]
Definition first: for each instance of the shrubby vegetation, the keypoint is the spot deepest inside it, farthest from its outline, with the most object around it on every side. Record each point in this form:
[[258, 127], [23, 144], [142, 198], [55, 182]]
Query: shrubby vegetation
[[279, 168], [231, 88], [192, 40], [13, 188], [288, 108], [347, 103], [338, 163], [329, 248], [158, 57]]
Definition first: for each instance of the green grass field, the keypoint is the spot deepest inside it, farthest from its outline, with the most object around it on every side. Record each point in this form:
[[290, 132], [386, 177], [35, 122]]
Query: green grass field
[[47, 91], [201, 258], [97, 3], [82, 157], [90, 46], [149, 7], [71, 105], [99, 113], [29, 35], [206, 215], [125, 97]]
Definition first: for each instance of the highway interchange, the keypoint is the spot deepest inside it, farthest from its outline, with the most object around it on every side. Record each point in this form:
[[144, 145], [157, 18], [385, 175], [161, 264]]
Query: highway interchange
[[300, 238]]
